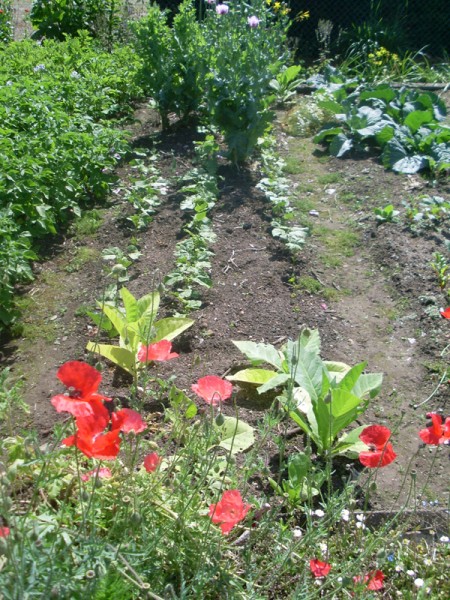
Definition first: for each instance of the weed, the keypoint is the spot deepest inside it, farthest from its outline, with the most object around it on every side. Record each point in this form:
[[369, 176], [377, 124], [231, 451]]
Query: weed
[[83, 256], [88, 224], [330, 178]]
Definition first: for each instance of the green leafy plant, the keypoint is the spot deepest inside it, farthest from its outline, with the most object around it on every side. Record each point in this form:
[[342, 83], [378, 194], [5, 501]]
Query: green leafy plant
[[386, 215], [301, 484], [172, 59], [6, 21], [135, 323], [440, 267], [322, 397], [403, 124], [285, 84]]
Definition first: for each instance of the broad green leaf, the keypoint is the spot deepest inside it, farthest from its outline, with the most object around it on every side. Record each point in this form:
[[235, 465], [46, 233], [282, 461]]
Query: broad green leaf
[[369, 383], [383, 92], [131, 306], [324, 422], [411, 164], [256, 376], [237, 436], [385, 134], [336, 370], [350, 442], [340, 144], [114, 315], [298, 467], [327, 133], [417, 118], [301, 422], [393, 152], [343, 402], [169, 328], [331, 106], [259, 353], [350, 379], [120, 356], [308, 374], [274, 382], [149, 304]]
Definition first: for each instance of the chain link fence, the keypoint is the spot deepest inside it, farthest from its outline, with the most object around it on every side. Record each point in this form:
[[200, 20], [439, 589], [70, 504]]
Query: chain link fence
[[400, 25]]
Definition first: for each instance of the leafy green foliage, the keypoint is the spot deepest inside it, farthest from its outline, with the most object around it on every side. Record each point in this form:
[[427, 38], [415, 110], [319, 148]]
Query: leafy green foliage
[[6, 21], [58, 18], [386, 215], [403, 124], [60, 150], [135, 323], [322, 397], [285, 84], [172, 59]]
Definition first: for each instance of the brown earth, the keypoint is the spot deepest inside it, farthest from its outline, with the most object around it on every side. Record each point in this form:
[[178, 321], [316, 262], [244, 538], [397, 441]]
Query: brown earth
[[375, 296]]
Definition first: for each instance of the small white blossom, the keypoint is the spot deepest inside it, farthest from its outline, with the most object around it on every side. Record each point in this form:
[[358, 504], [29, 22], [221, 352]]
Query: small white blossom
[[323, 547], [75, 75], [411, 573], [360, 525], [319, 513], [297, 533], [419, 582], [444, 539], [39, 68], [360, 518], [345, 515]]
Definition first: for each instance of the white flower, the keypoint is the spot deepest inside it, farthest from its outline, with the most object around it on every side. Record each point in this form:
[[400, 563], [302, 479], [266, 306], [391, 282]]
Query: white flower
[[411, 573], [360, 525], [419, 582], [297, 533], [323, 547], [319, 513], [444, 539], [360, 518], [345, 515]]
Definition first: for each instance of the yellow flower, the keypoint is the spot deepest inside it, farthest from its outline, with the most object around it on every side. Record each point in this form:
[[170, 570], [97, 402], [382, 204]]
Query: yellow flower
[[277, 5]]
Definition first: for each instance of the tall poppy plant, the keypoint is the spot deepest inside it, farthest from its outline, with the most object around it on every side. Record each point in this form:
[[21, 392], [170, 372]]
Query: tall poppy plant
[[91, 439], [380, 451], [82, 382]]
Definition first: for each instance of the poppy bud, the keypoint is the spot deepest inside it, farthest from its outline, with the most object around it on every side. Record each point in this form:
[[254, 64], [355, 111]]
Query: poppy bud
[[136, 518], [220, 420]]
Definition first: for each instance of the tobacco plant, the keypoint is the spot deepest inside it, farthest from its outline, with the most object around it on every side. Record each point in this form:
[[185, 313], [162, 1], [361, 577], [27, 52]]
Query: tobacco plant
[[322, 397]]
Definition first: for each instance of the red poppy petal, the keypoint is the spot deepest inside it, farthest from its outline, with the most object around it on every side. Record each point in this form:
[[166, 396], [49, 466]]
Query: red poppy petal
[[212, 389], [151, 462], [375, 435], [158, 351], [428, 436], [77, 408], [445, 314], [378, 458], [319, 568], [105, 446], [80, 376], [4, 532], [128, 420]]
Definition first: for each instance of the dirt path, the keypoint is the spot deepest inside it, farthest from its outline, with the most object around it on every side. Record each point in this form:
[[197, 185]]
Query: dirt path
[[362, 286]]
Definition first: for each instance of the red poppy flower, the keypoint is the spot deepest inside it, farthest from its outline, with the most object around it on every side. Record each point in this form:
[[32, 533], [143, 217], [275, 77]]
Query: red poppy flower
[[4, 532], [90, 437], [445, 313], [127, 420], [103, 473], [229, 511], [104, 446], [151, 462], [212, 389], [381, 452], [159, 351], [438, 433], [373, 580], [82, 382], [319, 568]]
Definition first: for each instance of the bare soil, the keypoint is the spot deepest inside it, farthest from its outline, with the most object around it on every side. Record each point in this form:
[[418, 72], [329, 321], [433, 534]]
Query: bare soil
[[376, 297]]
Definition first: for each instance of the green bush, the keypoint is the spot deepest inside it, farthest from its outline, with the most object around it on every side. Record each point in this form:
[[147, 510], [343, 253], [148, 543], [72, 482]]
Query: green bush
[[6, 26]]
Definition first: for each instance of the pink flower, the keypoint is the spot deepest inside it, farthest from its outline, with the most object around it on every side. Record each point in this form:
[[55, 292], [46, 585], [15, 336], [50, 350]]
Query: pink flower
[[373, 580], [222, 9], [103, 473], [319, 568], [158, 351], [253, 21], [127, 420], [380, 452], [212, 389], [151, 462], [4, 532], [229, 511]]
